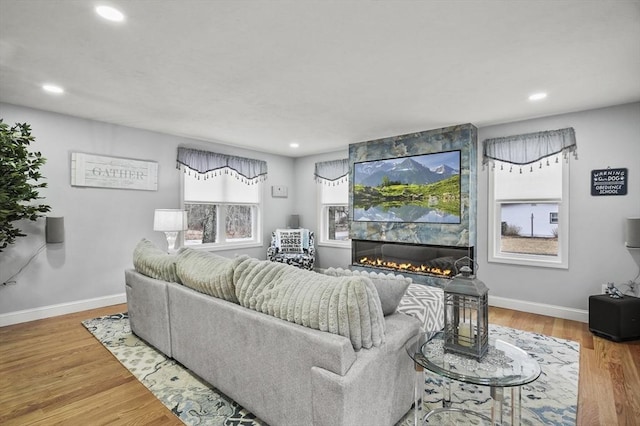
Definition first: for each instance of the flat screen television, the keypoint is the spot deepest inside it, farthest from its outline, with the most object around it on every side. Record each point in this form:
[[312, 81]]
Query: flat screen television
[[419, 188]]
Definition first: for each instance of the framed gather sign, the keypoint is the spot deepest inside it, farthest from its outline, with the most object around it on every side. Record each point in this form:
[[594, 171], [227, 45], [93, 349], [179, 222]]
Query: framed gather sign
[[100, 171]]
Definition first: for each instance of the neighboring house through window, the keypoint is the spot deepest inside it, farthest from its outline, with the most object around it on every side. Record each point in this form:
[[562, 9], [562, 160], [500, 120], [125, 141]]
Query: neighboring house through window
[[222, 195], [529, 198], [332, 179]]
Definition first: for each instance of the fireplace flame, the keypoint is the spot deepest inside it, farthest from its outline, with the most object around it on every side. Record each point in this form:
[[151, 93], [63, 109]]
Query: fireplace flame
[[408, 267]]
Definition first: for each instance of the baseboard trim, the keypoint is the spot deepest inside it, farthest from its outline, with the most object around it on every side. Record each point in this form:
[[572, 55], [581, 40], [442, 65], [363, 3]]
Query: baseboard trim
[[540, 308], [99, 302], [60, 309]]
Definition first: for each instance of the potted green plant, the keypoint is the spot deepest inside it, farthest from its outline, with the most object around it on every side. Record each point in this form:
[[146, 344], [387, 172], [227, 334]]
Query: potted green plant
[[19, 181]]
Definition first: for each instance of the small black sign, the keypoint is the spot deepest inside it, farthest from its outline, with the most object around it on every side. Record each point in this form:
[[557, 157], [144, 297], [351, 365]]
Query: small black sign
[[609, 182]]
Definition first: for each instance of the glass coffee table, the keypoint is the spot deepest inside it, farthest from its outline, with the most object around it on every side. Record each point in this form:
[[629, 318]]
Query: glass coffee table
[[504, 366]]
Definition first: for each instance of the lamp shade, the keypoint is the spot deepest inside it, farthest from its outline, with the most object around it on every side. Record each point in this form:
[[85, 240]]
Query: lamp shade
[[169, 220]]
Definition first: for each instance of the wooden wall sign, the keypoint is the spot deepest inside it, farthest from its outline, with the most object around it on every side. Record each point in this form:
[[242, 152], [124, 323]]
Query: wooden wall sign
[[609, 181], [113, 172]]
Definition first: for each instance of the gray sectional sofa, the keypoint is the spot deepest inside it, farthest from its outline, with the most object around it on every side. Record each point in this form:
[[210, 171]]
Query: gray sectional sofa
[[284, 372]]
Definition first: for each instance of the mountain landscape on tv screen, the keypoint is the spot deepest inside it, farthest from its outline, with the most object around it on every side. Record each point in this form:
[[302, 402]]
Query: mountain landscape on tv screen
[[423, 188], [408, 171]]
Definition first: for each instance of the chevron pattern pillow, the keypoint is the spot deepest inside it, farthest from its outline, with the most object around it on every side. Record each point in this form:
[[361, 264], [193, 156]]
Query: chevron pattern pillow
[[425, 303]]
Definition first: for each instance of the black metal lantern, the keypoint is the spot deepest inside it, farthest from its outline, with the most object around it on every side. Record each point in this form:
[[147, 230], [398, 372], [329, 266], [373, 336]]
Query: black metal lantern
[[466, 314]]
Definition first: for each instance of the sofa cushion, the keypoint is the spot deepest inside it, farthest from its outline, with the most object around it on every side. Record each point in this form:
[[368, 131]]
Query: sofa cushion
[[207, 273], [348, 306], [153, 262], [390, 287]]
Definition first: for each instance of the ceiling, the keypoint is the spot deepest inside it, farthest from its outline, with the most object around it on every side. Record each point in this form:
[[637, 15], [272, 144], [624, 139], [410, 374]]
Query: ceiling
[[322, 74]]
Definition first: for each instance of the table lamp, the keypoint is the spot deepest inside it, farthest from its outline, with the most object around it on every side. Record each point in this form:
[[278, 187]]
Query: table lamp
[[170, 221]]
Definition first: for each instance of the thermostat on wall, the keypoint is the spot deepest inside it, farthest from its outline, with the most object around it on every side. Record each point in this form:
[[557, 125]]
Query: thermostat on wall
[[279, 191]]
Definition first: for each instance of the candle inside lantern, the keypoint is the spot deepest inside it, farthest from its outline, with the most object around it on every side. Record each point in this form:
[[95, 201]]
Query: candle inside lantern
[[466, 334]]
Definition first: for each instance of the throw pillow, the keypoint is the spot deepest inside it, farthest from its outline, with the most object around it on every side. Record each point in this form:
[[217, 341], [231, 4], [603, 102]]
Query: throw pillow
[[390, 287], [347, 306], [207, 273], [426, 303], [153, 262], [292, 240]]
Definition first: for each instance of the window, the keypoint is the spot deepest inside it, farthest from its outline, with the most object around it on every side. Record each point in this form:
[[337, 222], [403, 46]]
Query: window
[[334, 205], [221, 211], [528, 214], [222, 195], [529, 197], [333, 202]]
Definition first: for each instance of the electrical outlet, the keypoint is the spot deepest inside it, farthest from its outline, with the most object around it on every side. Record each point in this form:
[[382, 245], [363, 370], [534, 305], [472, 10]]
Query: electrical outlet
[[604, 288]]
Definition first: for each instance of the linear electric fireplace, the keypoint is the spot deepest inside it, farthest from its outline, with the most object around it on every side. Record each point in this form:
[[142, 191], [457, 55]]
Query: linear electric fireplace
[[422, 260]]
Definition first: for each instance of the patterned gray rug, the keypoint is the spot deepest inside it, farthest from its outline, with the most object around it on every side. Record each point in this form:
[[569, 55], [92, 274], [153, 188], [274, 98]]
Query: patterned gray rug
[[550, 400]]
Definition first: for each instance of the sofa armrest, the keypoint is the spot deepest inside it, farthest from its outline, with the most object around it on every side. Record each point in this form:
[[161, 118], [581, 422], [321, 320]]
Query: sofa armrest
[[148, 306]]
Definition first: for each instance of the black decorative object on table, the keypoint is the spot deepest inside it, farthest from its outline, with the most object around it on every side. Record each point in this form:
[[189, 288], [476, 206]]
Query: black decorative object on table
[[466, 313]]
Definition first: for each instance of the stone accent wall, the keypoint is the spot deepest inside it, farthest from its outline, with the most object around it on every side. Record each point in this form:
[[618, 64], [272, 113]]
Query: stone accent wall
[[462, 137]]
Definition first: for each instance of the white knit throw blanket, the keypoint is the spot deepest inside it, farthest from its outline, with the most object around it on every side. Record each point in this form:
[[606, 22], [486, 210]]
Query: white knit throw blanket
[[348, 306]]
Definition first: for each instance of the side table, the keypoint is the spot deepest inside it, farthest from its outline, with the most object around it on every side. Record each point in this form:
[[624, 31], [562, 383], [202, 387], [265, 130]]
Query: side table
[[505, 365], [615, 319]]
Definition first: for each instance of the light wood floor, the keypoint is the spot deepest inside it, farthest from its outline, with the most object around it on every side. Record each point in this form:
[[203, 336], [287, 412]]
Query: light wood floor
[[53, 371]]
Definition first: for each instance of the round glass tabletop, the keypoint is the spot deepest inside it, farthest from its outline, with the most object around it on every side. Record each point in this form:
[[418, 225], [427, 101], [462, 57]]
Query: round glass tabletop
[[503, 365]]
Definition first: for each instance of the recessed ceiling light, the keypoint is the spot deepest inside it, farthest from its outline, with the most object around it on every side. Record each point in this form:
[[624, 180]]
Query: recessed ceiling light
[[294, 145], [537, 96], [52, 88], [110, 13]]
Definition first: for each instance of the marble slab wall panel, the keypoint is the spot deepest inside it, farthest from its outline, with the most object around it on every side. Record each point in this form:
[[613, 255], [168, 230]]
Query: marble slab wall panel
[[461, 137]]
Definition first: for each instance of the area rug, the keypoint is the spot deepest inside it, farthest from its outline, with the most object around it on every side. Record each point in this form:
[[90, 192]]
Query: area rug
[[552, 399]]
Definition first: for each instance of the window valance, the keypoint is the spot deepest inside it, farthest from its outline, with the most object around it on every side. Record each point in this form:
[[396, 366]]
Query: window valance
[[212, 164], [531, 147], [332, 172]]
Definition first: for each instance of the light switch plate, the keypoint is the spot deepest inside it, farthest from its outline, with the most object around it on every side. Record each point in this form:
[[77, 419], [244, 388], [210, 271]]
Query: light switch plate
[[279, 191]]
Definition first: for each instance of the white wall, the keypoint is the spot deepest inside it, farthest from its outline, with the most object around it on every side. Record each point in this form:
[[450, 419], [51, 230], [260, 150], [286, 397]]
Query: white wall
[[102, 226], [608, 137]]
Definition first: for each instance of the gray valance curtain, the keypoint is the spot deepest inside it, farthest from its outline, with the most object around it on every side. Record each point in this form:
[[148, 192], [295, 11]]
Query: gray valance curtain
[[332, 172], [211, 164], [530, 147]]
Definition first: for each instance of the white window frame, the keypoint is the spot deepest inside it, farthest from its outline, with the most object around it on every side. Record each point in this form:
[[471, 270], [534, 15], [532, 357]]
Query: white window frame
[[494, 227], [323, 220], [222, 244]]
